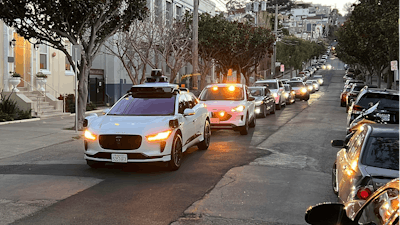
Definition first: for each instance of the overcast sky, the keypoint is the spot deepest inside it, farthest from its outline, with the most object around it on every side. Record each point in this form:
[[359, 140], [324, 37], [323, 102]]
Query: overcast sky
[[339, 4]]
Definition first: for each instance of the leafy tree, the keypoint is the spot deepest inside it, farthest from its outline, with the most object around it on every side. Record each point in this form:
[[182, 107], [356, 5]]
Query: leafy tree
[[86, 22], [370, 36]]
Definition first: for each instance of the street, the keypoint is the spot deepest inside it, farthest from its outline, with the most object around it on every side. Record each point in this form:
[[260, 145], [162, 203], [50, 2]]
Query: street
[[270, 176]]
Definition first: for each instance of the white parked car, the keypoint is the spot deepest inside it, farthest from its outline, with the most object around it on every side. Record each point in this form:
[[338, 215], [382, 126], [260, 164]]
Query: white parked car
[[231, 106], [153, 122], [277, 90]]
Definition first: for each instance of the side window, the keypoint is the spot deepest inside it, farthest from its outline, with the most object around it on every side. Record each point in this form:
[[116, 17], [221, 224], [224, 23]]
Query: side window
[[381, 209], [280, 84], [182, 104], [191, 100], [358, 142], [267, 92]]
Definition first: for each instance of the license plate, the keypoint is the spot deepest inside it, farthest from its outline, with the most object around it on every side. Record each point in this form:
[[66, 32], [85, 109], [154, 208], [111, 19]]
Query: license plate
[[214, 120], [385, 117], [119, 158]]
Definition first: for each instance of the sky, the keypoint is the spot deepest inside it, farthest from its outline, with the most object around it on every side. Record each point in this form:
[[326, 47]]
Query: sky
[[338, 3]]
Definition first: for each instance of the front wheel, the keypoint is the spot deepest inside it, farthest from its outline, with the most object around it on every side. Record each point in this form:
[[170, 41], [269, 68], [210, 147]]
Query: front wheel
[[207, 136], [264, 112], [253, 122], [273, 109], [244, 130], [176, 153], [279, 105], [334, 180]]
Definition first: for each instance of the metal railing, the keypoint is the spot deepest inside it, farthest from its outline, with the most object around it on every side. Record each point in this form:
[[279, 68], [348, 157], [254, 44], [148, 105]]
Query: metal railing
[[43, 94]]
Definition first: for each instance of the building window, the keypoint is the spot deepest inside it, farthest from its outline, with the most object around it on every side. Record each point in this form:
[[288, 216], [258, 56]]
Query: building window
[[168, 13], [178, 13], [44, 56], [68, 67], [158, 11]]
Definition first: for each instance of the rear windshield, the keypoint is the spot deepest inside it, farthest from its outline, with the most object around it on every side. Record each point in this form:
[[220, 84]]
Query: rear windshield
[[222, 93], [296, 84], [130, 106], [385, 101], [268, 85], [382, 152], [255, 91]]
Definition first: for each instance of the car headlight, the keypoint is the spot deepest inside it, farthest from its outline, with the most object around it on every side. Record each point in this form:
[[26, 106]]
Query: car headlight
[[310, 88], [315, 85], [286, 95], [320, 81], [304, 90], [274, 95], [240, 108], [259, 103], [293, 92], [89, 135], [159, 136]]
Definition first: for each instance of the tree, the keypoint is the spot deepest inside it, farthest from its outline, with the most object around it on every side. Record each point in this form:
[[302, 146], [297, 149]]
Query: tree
[[370, 36], [88, 23]]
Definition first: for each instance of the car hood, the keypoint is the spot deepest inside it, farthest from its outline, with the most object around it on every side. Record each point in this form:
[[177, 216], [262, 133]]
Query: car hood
[[130, 124], [216, 105]]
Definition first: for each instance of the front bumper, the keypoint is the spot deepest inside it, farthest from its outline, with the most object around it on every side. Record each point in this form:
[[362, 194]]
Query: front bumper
[[231, 121]]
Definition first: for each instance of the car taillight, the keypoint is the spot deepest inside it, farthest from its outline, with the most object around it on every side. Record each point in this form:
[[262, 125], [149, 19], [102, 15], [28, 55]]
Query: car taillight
[[363, 193], [357, 108]]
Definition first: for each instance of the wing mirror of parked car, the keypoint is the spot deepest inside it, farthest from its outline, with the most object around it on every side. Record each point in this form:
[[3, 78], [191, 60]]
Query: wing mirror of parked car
[[105, 111], [188, 112], [251, 98], [337, 143], [327, 214]]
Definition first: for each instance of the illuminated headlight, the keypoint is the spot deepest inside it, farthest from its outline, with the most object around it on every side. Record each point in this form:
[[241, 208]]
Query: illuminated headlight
[[286, 95], [315, 85], [320, 81], [303, 90], [258, 103], [293, 92], [240, 108], [159, 136], [257, 110], [275, 95], [89, 135], [309, 88]]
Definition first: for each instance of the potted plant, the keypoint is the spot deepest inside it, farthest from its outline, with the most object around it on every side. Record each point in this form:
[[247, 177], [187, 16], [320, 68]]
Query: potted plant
[[14, 80], [41, 79]]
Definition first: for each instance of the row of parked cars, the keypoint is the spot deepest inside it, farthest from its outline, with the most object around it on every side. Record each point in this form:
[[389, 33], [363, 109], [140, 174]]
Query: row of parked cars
[[366, 170]]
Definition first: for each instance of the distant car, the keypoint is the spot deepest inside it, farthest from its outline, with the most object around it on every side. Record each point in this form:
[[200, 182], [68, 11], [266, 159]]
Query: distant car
[[231, 106], [290, 95], [310, 86], [324, 57], [319, 78], [343, 96], [348, 82], [300, 90], [305, 73], [315, 84], [368, 161], [388, 108], [284, 80], [276, 87], [352, 94], [264, 101], [297, 79], [153, 122], [382, 208]]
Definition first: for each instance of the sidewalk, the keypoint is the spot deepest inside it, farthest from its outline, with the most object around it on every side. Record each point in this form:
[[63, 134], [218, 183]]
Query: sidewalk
[[24, 136]]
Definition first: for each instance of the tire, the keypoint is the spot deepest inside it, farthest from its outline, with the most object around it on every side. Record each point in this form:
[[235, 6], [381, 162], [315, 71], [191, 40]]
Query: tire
[[207, 136], [279, 105], [94, 164], [342, 104], [253, 122], [347, 109], [334, 180], [273, 109], [264, 112], [244, 130], [176, 153]]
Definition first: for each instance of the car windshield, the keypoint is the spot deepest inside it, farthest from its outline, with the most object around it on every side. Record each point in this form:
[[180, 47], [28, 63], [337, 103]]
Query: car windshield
[[130, 106], [255, 91], [222, 93], [296, 84], [385, 100], [357, 88], [270, 85], [382, 152]]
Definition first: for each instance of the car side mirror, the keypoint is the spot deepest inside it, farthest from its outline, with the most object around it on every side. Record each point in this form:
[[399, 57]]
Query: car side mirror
[[327, 214], [251, 98], [188, 112], [105, 111], [337, 143]]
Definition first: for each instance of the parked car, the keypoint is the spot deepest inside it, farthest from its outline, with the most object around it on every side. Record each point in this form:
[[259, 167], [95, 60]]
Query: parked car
[[343, 95], [352, 94], [284, 81], [276, 87], [153, 122], [348, 82], [382, 208], [300, 90], [290, 95], [297, 79], [388, 109], [264, 101], [231, 106], [368, 161], [305, 73]]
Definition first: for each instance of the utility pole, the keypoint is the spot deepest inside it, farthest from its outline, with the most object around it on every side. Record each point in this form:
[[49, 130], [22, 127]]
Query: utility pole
[[273, 57], [195, 50]]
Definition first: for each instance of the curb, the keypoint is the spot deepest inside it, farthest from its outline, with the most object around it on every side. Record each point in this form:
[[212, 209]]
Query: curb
[[19, 121]]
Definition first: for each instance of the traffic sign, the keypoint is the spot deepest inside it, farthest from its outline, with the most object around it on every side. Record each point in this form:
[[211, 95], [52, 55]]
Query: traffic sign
[[393, 65], [282, 68]]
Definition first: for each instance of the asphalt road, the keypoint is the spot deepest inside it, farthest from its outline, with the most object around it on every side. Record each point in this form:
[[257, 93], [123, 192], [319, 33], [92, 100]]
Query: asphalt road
[[73, 193]]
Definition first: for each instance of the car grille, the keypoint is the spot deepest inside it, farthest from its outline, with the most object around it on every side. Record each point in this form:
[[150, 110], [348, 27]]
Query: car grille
[[120, 142], [226, 117]]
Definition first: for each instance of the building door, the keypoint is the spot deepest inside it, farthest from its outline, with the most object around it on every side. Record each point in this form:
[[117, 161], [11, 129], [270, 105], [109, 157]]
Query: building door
[[97, 86], [22, 54]]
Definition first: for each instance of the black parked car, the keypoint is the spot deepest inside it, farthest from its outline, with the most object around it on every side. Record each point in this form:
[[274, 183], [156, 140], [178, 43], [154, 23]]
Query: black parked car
[[388, 109], [264, 101]]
